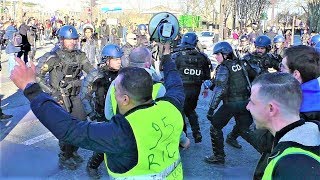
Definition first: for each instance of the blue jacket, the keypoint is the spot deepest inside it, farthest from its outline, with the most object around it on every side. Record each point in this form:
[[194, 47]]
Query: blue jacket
[[10, 48], [311, 96], [115, 138]]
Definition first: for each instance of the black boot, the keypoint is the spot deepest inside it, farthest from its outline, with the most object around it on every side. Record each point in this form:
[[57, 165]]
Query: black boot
[[5, 116], [232, 138], [93, 165], [213, 159], [194, 123], [67, 162], [197, 137], [77, 158], [218, 156]]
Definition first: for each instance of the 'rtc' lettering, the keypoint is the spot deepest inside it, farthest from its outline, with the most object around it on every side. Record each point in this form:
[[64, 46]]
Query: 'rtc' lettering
[[192, 72]]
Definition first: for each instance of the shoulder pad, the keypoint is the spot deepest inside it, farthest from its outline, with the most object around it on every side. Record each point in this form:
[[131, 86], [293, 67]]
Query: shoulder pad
[[247, 57], [45, 58], [95, 74], [270, 55]]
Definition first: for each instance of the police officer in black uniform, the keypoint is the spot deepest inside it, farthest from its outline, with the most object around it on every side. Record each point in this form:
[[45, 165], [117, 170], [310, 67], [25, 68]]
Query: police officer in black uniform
[[97, 82], [194, 67], [231, 85], [261, 59], [64, 69]]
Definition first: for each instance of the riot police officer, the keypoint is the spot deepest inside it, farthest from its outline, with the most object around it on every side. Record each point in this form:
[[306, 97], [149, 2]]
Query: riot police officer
[[278, 49], [194, 68], [261, 59], [231, 85], [142, 35], [97, 82], [89, 45], [65, 67]]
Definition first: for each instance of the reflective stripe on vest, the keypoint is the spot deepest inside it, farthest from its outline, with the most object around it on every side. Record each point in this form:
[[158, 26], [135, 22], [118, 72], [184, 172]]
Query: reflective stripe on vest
[[291, 150], [158, 151], [113, 100], [170, 172], [155, 91]]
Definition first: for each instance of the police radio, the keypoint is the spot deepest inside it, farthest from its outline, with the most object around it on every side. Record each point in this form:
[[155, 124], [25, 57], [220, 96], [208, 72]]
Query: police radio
[[163, 27]]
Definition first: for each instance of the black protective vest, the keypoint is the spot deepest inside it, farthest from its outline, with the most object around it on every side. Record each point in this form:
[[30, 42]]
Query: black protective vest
[[238, 88], [264, 62], [191, 64], [67, 73]]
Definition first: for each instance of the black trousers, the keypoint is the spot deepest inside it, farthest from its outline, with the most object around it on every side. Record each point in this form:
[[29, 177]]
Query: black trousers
[[77, 111], [190, 104], [221, 118], [25, 55]]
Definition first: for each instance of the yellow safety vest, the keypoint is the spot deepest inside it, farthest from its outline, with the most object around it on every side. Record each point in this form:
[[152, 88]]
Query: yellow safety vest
[[157, 131], [155, 90], [291, 150]]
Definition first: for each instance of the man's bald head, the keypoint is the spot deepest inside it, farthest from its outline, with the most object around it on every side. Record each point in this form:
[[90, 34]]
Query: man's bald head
[[140, 57]]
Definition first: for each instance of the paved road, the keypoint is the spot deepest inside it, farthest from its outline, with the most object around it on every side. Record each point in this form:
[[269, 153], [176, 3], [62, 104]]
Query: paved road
[[29, 150]]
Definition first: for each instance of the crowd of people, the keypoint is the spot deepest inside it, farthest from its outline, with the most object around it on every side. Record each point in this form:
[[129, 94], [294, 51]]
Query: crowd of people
[[128, 99]]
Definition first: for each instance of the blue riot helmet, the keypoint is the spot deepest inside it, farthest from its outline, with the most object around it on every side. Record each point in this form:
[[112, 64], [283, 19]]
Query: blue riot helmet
[[68, 32], [142, 27], [317, 46], [278, 39], [263, 41], [163, 27], [222, 47], [315, 39], [110, 51], [189, 38]]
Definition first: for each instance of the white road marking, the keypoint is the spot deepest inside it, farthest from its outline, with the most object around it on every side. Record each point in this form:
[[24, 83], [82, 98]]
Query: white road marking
[[38, 139]]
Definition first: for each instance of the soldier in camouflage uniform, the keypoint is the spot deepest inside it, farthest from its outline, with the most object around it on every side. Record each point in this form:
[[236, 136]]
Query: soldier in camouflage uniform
[[64, 69]]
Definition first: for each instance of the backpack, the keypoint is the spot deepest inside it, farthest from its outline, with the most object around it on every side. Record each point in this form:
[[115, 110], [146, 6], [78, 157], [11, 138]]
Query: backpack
[[16, 39]]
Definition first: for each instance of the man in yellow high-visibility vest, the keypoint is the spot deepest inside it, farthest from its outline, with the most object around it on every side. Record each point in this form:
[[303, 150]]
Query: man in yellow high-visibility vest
[[274, 104], [141, 142]]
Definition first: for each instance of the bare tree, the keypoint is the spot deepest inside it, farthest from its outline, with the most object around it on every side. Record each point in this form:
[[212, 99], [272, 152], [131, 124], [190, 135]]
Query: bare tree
[[250, 10], [313, 11], [208, 10]]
